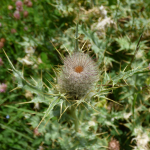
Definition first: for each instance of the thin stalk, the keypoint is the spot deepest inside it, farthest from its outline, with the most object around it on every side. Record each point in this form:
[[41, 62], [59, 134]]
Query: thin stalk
[[75, 118], [76, 39]]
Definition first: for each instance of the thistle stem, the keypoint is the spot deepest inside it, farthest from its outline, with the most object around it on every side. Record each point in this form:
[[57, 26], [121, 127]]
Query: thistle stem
[[75, 118]]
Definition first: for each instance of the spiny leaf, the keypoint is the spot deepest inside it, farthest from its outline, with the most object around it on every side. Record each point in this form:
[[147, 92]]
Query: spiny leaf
[[55, 101], [125, 75]]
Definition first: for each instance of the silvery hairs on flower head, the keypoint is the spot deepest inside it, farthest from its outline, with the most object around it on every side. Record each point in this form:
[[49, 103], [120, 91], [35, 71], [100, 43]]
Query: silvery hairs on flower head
[[78, 75]]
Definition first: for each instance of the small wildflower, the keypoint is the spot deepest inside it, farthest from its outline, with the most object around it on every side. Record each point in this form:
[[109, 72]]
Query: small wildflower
[[114, 145], [29, 50], [1, 62], [36, 132], [101, 8], [29, 4], [19, 9], [103, 11], [26, 60], [25, 28], [7, 117], [91, 123], [102, 24], [19, 3], [139, 55], [3, 88], [127, 115], [25, 13], [142, 140], [17, 14], [40, 148], [39, 60], [26, 2], [27, 116], [10, 7], [36, 106], [13, 31], [3, 40], [19, 6]]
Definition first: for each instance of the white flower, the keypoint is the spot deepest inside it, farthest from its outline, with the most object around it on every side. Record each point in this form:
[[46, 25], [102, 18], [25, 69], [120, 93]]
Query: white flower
[[103, 23], [26, 60], [139, 54], [91, 123], [103, 11], [141, 138], [127, 115], [36, 106], [29, 50], [101, 7]]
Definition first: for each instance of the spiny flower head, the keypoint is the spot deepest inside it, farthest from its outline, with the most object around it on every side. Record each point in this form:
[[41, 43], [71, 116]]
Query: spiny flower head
[[78, 75]]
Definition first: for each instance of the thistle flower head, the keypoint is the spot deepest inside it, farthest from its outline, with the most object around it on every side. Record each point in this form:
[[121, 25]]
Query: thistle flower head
[[78, 75]]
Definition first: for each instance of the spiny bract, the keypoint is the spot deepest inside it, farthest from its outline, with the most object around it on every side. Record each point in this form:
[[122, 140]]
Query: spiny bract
[[78, 75]]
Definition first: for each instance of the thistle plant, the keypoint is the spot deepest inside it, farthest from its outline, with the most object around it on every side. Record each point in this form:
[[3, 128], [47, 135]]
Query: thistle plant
[[79, 98]]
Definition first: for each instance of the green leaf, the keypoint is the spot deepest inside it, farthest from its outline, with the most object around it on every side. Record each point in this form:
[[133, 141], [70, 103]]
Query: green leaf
[[51, 106], [125, 75], [44, 57], [133, 104], [24, 110]]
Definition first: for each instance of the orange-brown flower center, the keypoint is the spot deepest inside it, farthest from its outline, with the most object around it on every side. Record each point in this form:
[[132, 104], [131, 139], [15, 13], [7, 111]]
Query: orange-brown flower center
[[78, 69]]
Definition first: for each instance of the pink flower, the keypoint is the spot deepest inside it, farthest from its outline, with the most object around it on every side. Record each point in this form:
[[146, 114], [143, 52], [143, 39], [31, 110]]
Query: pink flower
[[1, 62], [25, 13], [0, 24], [17, 14], [36, 132], [19, 9], [26, 2], [3, 88], [29, 4], [149, 66], [25, 28], [13, 31], [19, 3]]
